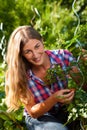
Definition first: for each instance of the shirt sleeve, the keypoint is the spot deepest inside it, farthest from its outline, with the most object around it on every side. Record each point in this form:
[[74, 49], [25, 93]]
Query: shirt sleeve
[[65, 57]]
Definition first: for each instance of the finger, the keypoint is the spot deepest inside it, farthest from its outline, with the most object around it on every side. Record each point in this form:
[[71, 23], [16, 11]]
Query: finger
[[68, 94], [69, 99], [65, 90], [64, 99]]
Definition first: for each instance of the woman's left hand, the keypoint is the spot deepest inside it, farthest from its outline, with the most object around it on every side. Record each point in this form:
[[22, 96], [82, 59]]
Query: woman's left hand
[[69, 97], [66, 96]]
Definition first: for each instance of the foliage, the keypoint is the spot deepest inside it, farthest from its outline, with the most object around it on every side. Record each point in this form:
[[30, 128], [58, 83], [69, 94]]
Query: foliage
[[56, 25], [12, 120], [77, 109]]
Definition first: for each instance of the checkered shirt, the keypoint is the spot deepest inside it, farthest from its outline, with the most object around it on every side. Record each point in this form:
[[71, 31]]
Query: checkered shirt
[[39, 89]]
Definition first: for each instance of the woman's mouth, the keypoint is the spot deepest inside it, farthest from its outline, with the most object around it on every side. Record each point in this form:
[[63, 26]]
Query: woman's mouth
[[36, 59]]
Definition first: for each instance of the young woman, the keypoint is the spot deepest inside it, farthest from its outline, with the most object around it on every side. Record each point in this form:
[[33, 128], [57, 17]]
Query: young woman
[[28, 63]]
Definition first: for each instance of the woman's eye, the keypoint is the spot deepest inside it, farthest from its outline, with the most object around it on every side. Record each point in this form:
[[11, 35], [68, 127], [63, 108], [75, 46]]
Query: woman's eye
[[27, 52], [37, 46]]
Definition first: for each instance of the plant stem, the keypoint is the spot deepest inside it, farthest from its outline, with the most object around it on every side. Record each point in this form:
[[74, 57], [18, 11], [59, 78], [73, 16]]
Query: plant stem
[[82, 128]]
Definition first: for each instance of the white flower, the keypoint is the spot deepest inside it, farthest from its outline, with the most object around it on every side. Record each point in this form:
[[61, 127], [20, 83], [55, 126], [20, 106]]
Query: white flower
[[84, 115], [86, 105], [70, 116], [76, 115], [81, 110], [74, 110]]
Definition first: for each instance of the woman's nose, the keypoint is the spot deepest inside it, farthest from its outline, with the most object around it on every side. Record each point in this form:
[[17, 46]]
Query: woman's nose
[[35, 54]]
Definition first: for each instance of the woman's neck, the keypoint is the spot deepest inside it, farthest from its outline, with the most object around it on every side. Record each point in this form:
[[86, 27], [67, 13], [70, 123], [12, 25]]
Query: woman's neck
[[41, 71]]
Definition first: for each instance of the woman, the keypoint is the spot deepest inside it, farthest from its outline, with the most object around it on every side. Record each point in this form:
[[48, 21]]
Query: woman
[[28, 63]]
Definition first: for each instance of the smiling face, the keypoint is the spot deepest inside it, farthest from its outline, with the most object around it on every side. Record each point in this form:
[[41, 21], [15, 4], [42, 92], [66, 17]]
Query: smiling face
[[34, 53]]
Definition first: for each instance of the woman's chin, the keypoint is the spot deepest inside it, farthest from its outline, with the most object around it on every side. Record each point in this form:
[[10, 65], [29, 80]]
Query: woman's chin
[[37, 63]]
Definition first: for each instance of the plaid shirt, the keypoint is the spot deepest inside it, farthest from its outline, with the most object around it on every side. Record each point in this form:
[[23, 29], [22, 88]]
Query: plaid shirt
[[39, 89]]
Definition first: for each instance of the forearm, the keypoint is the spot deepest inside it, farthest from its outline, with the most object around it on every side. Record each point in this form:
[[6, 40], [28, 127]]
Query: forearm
[[41, 108]]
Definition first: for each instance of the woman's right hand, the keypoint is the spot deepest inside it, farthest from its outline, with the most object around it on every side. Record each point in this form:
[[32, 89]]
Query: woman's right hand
[[64, 96]]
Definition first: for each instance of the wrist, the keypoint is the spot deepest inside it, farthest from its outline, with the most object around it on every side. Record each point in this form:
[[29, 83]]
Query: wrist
[[56, 98]]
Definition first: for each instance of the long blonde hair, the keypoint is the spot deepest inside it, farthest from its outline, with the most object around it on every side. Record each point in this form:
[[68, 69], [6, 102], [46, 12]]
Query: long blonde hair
[[16, 81]]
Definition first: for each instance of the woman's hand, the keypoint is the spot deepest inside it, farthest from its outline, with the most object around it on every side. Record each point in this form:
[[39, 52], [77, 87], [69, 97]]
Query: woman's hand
[[64, 96]]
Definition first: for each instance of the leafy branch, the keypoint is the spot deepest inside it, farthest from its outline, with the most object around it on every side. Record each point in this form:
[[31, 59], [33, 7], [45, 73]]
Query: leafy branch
[[77, 109]]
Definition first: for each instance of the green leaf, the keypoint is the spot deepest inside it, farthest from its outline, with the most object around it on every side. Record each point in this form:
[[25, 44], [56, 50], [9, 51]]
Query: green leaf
[[4, 115]]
